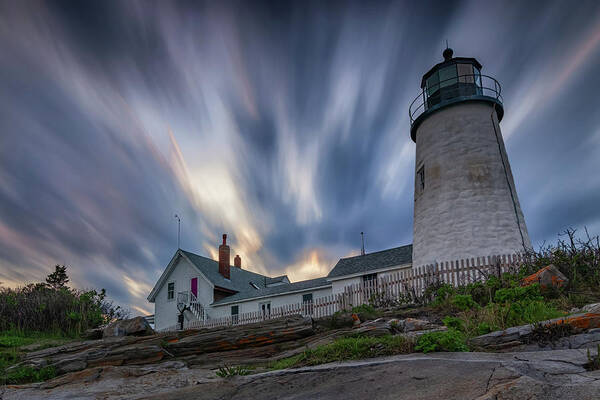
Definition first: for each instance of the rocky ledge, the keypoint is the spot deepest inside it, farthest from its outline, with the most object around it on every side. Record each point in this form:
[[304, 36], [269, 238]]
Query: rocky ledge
[[182, 364]]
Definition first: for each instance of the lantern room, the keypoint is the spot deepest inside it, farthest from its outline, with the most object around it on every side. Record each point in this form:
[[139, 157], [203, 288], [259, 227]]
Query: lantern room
[[454, 80]]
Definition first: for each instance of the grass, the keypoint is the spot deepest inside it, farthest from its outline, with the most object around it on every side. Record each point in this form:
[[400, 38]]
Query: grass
[[593, 361], [350, 348], [450, 340], [11, 350], [501, 316], [228, 372]]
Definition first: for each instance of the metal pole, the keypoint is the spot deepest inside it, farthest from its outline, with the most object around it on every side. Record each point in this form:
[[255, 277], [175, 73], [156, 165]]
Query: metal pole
[[362, 239], [178, 229]]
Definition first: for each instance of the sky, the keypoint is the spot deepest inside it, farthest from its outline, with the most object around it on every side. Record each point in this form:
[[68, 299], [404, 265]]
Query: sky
[[284, 125]]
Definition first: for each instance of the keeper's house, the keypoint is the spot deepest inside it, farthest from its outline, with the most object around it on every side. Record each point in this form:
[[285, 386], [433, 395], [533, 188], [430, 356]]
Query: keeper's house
[[206, 289]]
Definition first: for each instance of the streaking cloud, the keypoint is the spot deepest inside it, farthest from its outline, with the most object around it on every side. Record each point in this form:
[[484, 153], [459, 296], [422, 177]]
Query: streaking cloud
[[283, 125]]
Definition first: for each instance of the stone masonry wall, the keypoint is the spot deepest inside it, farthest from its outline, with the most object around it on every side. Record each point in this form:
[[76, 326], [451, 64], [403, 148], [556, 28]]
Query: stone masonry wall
[[466, 208]]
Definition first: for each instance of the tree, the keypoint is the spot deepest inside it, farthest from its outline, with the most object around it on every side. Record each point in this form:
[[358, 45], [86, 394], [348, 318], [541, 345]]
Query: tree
[[58, 279]]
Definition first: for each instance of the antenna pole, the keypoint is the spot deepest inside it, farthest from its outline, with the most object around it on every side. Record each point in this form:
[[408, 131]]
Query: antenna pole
[[178, 229], [362, 239]]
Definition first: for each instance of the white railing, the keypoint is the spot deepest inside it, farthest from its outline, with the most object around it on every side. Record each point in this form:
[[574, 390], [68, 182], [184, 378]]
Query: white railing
[[189, 300], [391, 288]]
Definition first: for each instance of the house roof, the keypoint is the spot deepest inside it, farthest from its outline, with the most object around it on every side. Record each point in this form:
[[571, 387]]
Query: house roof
[[278, 279], [251, 293], [372, 261], [239, 278]]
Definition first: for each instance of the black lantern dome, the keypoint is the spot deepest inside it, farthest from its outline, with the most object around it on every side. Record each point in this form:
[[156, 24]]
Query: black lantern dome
[[452, 81]]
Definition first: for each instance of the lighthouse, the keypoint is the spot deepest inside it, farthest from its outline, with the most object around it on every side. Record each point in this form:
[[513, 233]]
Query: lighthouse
[[465, 200]]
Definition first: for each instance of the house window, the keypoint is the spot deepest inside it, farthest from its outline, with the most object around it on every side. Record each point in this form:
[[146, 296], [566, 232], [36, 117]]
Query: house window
[[369, 277], [235, 312], [265, 309], [307, 304], [170, 290], [421, 179]]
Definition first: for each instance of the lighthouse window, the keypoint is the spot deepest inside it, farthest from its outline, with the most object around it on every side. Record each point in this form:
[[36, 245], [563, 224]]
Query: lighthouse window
[[465, 73], [448, 76], [421, 179], [433, 84]]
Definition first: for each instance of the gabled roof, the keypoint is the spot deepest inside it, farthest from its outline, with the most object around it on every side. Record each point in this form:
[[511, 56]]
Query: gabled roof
[[252, 293], [240, 278], [372, 261]]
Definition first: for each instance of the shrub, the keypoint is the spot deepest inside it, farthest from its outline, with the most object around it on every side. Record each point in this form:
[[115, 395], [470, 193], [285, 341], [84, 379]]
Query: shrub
[[478, 291], [463, 302], [53, 307], [518, 293], [366, 312], [453, 322], [545, 334], [483, 328], [443, 293], [576, 256], [450, 340]]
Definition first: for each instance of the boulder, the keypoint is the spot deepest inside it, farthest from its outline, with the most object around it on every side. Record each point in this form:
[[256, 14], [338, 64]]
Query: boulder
[[375, 328], [413, 324], [93, 334], [137, 326], [547, 277], [591, 308], [519, 335], [143, 350]]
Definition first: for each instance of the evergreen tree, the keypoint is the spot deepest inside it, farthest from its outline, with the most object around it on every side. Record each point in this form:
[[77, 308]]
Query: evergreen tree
[[58, 279]]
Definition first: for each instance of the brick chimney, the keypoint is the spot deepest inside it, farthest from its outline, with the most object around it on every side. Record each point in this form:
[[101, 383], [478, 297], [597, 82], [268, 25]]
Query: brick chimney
[[224, 258], [237, 261]]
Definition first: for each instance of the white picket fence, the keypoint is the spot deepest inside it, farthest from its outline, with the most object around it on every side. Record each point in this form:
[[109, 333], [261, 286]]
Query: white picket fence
[[393, 287]]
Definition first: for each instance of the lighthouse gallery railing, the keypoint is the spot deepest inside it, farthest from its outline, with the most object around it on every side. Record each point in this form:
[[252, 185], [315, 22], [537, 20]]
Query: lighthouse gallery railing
[[460, 87]]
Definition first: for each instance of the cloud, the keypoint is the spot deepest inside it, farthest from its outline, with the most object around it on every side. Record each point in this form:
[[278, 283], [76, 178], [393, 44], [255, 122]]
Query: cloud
[[284, 126]]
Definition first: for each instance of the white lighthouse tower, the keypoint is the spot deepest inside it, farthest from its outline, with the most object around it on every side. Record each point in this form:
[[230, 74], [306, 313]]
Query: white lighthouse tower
[[466, 204]]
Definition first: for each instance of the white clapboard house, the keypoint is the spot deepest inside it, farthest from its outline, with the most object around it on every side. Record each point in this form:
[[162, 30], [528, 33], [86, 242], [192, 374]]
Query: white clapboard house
[[206, 289]]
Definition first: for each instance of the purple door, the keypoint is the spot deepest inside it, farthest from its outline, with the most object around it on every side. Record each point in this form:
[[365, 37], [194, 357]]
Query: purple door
[[194, 287]]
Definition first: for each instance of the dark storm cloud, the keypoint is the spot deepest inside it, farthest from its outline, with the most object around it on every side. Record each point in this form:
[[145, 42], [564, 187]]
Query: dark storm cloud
[[283, 124]]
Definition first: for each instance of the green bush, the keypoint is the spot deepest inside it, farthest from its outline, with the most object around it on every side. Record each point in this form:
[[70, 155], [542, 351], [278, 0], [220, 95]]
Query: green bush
[[478, 291], [443, 293], [453, 322], [450, 340], [518, 293], [54, 307], [366, 312], [483, 328], [463, 302]]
